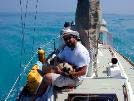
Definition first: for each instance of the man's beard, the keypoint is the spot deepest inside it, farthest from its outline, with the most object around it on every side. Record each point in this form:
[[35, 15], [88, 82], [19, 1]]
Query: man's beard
[[70, 45]]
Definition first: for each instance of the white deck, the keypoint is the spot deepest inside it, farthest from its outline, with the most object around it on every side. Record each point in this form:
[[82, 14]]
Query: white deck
[[103, 84]]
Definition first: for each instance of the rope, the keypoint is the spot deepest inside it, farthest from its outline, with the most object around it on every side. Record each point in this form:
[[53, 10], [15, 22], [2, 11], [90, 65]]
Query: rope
[[125, 92]]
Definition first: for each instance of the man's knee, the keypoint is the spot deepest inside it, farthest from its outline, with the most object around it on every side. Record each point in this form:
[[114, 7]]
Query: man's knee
[[48, 77]]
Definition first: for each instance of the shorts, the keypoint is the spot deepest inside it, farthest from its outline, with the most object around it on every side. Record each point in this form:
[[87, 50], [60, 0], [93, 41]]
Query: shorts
[[61, 81]]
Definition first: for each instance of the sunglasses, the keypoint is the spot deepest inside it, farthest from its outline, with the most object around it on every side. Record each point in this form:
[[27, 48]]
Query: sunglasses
[[68, 37]]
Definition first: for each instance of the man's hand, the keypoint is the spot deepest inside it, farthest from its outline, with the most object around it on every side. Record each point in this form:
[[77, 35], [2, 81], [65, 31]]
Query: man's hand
[[58, 70], [80, 72], [71, 74]]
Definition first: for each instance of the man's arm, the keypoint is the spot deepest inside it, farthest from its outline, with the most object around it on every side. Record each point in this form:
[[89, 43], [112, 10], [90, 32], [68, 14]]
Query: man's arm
[[80, 72]]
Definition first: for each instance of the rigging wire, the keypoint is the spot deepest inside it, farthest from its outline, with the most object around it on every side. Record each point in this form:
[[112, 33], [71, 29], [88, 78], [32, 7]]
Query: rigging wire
[[35, 20], [22, 47], [24, 27]]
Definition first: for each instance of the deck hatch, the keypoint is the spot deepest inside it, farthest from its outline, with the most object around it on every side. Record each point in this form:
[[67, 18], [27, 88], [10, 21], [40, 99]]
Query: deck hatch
[[92, 97]]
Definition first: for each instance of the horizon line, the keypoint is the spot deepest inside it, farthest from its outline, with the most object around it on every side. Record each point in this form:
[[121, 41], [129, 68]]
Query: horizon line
[[62, 12]]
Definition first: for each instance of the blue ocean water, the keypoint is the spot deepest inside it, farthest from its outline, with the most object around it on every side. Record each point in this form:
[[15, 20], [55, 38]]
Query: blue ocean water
[[47, 27]]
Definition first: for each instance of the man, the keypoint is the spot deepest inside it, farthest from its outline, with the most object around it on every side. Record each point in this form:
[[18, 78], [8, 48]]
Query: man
[[114, 70], [75, 54]]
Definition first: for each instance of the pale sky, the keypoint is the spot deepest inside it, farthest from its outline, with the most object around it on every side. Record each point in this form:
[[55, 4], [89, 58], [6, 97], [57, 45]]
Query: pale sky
[[108, 6]]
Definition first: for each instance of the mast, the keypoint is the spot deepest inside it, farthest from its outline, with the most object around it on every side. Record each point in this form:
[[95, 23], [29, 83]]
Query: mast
[[87, 21]]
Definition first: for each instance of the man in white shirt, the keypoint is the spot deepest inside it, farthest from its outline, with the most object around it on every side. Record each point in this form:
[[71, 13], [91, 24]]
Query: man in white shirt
[[114, 70], [75, 54]]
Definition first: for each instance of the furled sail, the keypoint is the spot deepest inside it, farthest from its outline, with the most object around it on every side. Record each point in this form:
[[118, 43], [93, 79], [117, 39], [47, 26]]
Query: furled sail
[[87, 24]]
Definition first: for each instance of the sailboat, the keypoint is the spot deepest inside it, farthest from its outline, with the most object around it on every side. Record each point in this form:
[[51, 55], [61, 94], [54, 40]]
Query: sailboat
[[101, 83]]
